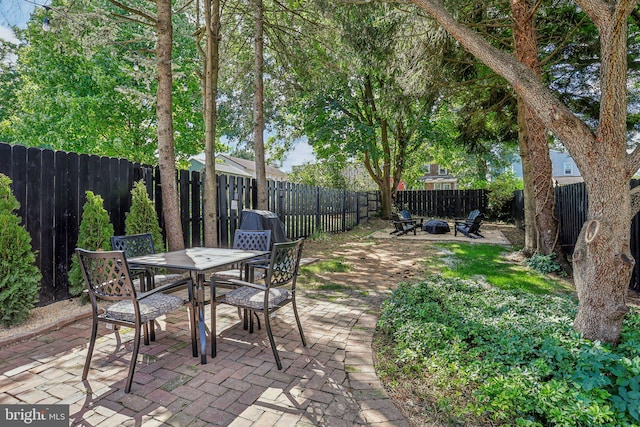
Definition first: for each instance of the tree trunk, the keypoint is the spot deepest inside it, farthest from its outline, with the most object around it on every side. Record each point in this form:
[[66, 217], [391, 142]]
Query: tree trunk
[[258, 108], [533, 132], [602, 261], [530, 232], [211, 64], [166, 153]]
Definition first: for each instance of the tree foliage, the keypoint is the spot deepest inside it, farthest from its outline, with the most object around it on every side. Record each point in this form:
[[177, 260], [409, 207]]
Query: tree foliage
[[89, 85]]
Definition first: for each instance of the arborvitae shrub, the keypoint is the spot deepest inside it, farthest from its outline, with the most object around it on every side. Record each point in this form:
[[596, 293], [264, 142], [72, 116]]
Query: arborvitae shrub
[[142, 217], [19, 276], [95, 234]]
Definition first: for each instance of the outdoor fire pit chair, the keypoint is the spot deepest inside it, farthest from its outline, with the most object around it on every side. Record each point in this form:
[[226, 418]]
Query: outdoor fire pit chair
[[471, 226], [279, 289], [402, 226], [405, 214], [108, 279], [250, 240]]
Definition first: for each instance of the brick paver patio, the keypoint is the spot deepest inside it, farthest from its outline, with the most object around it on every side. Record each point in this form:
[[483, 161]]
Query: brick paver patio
[[331, 382]]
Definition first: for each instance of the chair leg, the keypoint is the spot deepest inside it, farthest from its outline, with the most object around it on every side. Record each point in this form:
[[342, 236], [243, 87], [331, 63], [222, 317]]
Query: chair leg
[[257, 319], [134, 359], [271, 340], [214, 326], [92, 343], [152, 330], [295, 312], [145, 331]]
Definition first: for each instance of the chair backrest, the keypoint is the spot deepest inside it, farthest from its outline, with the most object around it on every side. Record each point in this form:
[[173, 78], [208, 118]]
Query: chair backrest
[[405, 214], [252, 240], [476, 223], [106, 274], [472, 216], [134, 244], [284, 264]]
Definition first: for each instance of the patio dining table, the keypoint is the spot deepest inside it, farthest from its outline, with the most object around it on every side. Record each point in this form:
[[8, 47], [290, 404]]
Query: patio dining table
[[197, 260]]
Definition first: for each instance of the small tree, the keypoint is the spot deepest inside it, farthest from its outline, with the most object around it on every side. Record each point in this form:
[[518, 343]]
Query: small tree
[[19, 276], [95, 233], [142, 217]]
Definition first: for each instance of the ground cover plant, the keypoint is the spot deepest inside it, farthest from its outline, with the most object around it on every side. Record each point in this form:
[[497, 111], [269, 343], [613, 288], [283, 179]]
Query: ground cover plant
[[480, 352]]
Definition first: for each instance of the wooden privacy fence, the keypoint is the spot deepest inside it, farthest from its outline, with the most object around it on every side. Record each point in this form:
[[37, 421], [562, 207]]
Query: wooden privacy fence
[[442, 203], [303, 209], [571, 209], [50, 187]]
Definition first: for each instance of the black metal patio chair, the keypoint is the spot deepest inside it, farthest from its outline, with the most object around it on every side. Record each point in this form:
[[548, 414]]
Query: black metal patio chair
[[250, 240], [108, 279], [278, 291], [134, 245]]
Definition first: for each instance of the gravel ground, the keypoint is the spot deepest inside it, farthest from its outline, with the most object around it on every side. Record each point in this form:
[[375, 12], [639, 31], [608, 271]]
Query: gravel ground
[[45, 316]]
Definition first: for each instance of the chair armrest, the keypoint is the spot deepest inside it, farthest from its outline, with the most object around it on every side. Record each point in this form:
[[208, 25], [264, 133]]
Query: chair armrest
[[258, 263], [222, 281], [249, 284], [404, 221], [167, 287]]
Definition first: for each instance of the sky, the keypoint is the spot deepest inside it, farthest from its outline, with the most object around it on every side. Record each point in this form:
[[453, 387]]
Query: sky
[[14, 12], [301, 153]]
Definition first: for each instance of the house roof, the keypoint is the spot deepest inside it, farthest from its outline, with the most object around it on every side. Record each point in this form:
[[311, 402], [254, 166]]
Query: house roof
[[566, 180], [250, 166], [438, 178], [223, 168]]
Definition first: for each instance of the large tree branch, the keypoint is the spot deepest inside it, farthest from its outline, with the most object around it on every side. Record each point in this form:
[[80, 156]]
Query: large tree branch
[[572, 131], [152, 21], [598, 10]]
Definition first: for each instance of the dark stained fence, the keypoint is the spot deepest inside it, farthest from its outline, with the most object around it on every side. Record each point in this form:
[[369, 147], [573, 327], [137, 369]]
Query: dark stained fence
[[571, 208], [442, 203], [571, 211], [50, 187], [518, 208]]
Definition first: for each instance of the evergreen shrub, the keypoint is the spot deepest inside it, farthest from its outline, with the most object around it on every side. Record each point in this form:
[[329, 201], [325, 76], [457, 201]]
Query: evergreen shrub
[[142, 217], [95, 234], [19, 276]]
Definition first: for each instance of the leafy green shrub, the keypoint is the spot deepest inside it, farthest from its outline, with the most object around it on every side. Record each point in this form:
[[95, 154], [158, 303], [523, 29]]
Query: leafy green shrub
[[19, 277], [142, 217], [95, 234], [544, 264], [500, 196], [513, 355]]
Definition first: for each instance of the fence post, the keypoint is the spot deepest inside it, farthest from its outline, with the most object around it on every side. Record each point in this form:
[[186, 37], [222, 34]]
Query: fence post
[[344, 210], [318, 215]]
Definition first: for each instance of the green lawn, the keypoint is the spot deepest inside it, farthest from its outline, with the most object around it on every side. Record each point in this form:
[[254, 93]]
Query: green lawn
[[489, 263]]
